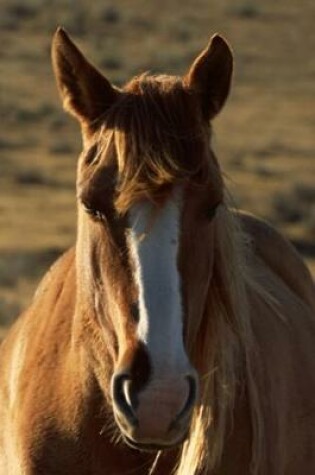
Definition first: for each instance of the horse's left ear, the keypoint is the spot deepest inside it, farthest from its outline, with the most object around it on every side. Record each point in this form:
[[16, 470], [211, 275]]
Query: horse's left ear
[[85, 92], [210, 76]]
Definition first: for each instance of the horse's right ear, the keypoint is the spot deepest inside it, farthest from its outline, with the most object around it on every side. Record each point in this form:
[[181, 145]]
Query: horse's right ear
[[85, 92]]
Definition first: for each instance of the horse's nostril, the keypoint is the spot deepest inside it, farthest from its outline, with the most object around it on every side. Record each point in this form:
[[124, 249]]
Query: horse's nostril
[[122, 397], [191, 398]]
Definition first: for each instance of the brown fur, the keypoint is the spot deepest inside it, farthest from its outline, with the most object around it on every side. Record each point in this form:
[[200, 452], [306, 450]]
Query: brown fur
[[249, 324]]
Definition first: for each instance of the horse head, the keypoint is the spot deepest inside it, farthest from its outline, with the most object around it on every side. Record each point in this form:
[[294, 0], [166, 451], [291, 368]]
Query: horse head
[[148, 188]]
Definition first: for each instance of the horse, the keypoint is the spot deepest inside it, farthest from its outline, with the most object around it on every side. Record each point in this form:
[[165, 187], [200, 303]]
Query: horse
[[178, 335]]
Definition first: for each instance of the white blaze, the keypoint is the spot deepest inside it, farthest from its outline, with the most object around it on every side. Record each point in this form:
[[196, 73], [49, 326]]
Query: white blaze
[[154, 244]]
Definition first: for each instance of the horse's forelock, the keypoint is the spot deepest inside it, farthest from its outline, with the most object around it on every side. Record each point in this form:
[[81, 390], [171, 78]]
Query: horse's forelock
[[159, 140]]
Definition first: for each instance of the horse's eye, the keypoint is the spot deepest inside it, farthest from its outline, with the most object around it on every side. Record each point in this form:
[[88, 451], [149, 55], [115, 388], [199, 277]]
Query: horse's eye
[[91, 155], [94, 213]]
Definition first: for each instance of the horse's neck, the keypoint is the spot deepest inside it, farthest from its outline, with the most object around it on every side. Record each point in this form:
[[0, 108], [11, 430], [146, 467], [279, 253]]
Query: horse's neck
[[52, 318]]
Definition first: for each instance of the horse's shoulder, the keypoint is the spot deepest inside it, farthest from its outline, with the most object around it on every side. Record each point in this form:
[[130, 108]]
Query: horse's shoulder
[[280, 255]]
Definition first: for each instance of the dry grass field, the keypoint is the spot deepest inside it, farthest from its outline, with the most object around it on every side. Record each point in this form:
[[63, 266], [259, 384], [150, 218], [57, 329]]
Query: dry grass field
[[265, 137]]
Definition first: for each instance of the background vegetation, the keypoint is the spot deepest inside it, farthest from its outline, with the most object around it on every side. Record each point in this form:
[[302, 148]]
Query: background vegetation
[[264, 138]]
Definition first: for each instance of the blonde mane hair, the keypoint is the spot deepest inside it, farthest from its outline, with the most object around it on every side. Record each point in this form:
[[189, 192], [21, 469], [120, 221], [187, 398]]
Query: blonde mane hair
[[223, 354]]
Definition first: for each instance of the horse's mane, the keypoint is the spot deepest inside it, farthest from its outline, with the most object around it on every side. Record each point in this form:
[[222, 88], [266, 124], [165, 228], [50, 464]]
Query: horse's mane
[[223, 353]]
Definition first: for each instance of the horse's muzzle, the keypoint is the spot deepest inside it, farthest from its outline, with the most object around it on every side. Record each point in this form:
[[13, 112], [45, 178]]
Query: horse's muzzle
[[157, 417]]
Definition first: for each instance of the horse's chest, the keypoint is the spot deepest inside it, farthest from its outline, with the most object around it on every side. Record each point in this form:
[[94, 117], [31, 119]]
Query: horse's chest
[[64, 457]]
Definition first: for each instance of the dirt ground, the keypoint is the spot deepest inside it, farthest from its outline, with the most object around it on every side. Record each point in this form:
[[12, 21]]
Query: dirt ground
[[264, 138]]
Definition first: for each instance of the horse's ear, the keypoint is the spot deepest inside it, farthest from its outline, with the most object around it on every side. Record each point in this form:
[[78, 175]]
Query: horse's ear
[[210, 76], [85, 92]]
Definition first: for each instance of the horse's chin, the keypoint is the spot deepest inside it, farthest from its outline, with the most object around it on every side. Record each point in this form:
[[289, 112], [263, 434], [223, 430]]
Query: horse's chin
[[153, 446]]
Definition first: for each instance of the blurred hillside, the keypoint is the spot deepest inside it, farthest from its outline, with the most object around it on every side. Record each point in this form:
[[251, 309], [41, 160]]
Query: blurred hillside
[[264, 137]]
